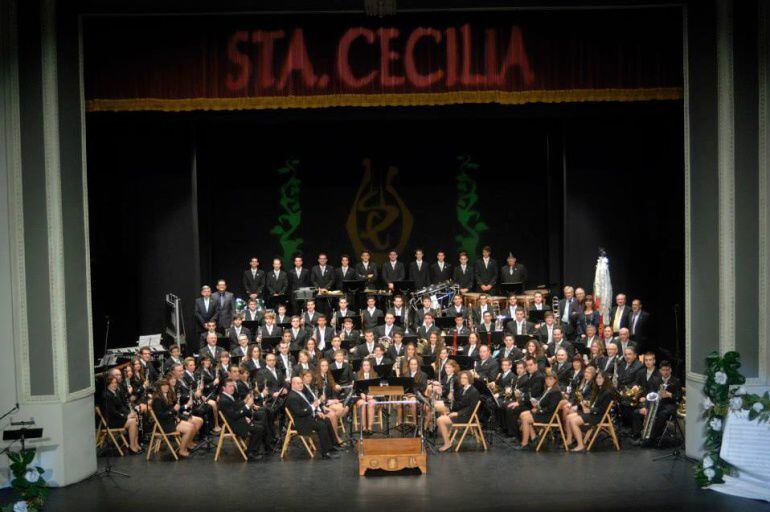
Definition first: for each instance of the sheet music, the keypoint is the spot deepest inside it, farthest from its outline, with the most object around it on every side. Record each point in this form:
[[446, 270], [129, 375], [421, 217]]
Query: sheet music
[[746, 445]]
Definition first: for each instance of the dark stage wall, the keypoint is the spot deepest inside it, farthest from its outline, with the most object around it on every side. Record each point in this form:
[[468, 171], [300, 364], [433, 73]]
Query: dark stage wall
[[177, 200]]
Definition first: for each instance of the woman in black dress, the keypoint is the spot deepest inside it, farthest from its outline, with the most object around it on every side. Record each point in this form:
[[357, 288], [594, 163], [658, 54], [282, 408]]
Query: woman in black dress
[[462, 408], [591, 414], [166, 409], [119, 414], [542, 409]]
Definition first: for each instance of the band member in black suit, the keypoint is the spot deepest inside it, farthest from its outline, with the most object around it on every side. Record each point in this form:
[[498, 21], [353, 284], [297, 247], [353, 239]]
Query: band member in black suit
[[343, 311], [482, 307], [166, 408], [556, 343], [253, 313], [225, 302], [628, 375], [282, 316], [669, 391], [619, 314], [310, 316], [269, 329], [463, 274], [486, 327], [206, 309], [211, 349], [235, 330], [639, 324], [338, 363], [459, 328], [419, 315], [371, 314], [400, 311], [457, 308], [486, 368], [174, 357], [462, 408], [397, 348], [272, 377], [322, 276], [389, 328], [367, 347], [350, 337], [297, 335], [513, 272], [118, 414], [238, 414], [309, 418], [253, 279], [441, 271], [562, 367], [624, 341], [241, 350], [299, 277], [393, 270], [538, 304], [509, 350], [531, 383], [276, 281], [344, 273], [366, 270], [427, 328], [322, 333], [150, 372], [419, 271], [519, 326], [569, 309], [542, 409], [545, 332], [485, 271]]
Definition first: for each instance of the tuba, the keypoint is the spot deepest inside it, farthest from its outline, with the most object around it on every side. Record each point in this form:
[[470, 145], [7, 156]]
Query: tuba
[[653, 401]]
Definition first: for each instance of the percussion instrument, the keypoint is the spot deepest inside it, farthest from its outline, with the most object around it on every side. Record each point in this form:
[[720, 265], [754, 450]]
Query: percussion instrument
[[471, 299]]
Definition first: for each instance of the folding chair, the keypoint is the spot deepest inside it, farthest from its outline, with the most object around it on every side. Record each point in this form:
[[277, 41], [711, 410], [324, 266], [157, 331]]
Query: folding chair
[[605, 425], [307, 441], [158, 437], [228, 433], [473, 426], [545, 429], [103, 432]]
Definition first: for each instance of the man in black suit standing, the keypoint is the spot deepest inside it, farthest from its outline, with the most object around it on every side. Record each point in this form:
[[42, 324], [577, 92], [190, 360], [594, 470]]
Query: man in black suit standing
[[639, 324], [620, 313], [211, 349], [419, 272], [253, 279], [309, 417], [366, 270], [393, 270], [276, 281], [234, 331], [485, 271], [239, 417], [322, 275], [514, 272], [205, 309], [299, 277], [344, 273], [569, 309], [225, 303], [463, 274], [441, 271]]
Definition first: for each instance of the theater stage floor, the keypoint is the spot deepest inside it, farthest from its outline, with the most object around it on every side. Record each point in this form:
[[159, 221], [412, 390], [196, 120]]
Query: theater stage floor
[[471, 480]]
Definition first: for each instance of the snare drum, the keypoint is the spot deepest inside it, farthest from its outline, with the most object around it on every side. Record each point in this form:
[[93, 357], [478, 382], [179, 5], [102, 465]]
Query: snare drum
[[471, 299]]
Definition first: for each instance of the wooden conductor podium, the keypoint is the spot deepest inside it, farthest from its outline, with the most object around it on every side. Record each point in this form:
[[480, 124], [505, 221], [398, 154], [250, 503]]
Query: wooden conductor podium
[[391, 454]]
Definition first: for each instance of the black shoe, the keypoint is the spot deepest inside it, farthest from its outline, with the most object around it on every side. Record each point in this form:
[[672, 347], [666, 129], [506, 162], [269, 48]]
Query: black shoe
[[255, 457], [337, 448], [330, 455], [520, 447]]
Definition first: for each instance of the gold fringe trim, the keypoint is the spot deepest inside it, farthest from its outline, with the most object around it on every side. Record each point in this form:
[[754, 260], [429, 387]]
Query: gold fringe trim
[[382, 100]]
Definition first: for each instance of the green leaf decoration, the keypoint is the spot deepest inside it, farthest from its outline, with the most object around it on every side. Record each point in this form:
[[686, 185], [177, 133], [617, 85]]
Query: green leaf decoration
[[468, 217], [288, 222]]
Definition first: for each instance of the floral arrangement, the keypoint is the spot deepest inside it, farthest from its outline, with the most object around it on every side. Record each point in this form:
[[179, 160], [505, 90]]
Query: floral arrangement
[[29, 487], [724, 393]]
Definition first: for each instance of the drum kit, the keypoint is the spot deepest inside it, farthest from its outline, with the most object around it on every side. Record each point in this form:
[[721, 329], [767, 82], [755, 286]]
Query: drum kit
[[440, 294]]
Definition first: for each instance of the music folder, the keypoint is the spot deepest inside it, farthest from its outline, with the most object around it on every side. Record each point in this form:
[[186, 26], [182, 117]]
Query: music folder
[[511, 288], [429, 371], [337, 374], [464, 362], [383, 370], [537, 315], [253, 327], [406, 382], [270, 342], [520, 340], [362, 386], [445, 322]]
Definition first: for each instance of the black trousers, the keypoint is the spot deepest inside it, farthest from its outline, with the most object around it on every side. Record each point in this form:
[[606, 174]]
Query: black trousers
[[512, 418], [256, 435], [325, 431], [658, 424]]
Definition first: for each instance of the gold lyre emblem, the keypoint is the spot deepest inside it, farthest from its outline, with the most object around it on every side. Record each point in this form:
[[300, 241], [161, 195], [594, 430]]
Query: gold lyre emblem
[[379, 219]]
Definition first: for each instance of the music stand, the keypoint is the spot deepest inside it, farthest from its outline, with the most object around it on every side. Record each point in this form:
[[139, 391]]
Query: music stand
[[253, 327], [337, 374], [21, 435], [537, 315], [445, 322], [270, 342], [401, 287], [508, 289], [429, 371], [383, 370], [520, 340], [463, 361], [362, 386], [353, 285], [273, 301]]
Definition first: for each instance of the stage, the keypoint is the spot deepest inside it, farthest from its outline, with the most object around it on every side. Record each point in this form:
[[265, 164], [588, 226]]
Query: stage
[[549, 480]]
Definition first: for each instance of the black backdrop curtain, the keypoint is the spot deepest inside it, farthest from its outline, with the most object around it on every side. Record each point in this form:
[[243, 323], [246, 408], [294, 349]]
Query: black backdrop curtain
[[622, 168]]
